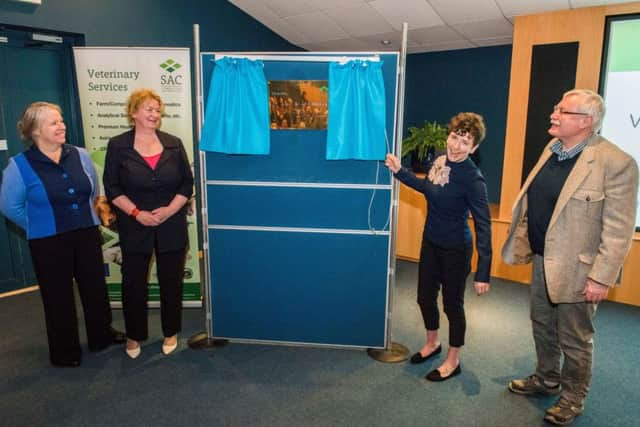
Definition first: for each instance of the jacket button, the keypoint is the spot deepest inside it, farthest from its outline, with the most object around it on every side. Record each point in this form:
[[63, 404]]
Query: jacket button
[[74, 206], [71, 190]]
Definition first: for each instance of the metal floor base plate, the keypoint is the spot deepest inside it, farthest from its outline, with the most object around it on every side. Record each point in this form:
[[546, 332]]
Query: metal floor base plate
[[202, 340], [396, 353]]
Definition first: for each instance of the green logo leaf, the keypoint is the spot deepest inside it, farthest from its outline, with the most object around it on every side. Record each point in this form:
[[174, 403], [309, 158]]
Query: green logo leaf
[[170, 65]]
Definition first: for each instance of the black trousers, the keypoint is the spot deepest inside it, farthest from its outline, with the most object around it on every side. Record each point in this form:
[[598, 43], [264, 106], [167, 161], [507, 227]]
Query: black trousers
[[448, 267], [135, 290], [57, 260]]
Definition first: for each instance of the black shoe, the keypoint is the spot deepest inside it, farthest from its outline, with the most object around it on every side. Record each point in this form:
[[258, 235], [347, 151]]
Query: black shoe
[[67, 363], [435, 375], [114, 337], [419, 358], [118, 337]]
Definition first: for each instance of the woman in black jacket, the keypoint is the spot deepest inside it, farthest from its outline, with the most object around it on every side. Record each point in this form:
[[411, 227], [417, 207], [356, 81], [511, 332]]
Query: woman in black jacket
[[147, 176]]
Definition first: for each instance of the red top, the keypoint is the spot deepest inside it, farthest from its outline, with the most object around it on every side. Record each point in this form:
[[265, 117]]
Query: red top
[[152, 161]]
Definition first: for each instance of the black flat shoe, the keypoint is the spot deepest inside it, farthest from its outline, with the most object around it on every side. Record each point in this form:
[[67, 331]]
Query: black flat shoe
[[435, 375], [71, 363], [419, 358], [118, 337]]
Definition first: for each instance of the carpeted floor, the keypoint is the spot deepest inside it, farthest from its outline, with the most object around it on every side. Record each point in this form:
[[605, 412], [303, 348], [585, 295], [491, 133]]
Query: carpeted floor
[[258, 385]]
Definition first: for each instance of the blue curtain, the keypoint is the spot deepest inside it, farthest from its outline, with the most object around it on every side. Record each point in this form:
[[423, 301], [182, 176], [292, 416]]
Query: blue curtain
[[356, 128], [236, 119]]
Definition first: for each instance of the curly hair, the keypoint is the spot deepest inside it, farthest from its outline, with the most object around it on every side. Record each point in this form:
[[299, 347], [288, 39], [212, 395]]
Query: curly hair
[[471, 123], [139, 97]]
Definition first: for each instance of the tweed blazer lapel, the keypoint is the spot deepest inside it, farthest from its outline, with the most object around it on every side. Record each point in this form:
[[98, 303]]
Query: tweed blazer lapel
[[517, 249], [580, 171], [544, 156]]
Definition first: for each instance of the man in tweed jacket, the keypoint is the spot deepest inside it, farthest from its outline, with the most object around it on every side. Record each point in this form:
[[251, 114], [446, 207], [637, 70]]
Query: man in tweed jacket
[[574, 218]]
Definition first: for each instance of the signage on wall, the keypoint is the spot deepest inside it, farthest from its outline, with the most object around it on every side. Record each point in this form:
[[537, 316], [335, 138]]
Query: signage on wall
[[106, 77]]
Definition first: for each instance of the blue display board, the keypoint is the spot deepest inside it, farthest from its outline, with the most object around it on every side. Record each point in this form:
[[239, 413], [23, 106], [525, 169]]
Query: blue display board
[[299, 246]]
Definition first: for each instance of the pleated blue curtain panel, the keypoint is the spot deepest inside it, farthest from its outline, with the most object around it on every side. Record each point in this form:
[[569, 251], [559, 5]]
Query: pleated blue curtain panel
[[356, 128], [236, 118]]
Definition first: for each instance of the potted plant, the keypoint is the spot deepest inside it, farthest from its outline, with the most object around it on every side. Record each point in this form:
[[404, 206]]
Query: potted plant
[[422, 143]]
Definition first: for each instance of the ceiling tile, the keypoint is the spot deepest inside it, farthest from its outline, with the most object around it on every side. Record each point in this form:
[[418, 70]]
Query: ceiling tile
[[585, 3], [310, 47], [317, 26], [344, 45], [332, 4], [284, 8], [494, 41], [287, 31], [395, 39], [359, 20], [256, 8], [485, 29], [417, 13], [458, 11], [433, 24], [423, 36], [519, 7], [462, 44]]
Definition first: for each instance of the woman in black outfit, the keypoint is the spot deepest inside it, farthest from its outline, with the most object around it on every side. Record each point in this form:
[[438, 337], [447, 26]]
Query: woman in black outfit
[[453, 187], [148, 178]]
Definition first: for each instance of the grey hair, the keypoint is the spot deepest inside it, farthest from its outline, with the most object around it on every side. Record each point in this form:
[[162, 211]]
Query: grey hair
[[591, 103], [32, 117]]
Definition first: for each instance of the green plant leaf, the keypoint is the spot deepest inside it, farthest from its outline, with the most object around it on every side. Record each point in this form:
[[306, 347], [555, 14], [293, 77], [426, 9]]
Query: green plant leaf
[[420, 140]]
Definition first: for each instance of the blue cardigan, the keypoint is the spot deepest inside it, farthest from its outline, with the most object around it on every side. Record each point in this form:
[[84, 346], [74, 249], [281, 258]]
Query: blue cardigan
[[45, 198]]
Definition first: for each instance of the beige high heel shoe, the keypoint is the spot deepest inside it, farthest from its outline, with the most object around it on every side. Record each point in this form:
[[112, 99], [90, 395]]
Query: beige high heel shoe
[[169, 348], [132, 352]]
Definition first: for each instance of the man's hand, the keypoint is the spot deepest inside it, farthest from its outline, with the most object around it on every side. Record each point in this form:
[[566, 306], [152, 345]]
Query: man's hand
[[594, 291]]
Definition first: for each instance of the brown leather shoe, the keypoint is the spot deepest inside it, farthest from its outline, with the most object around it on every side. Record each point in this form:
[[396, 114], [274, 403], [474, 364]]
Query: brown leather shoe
[[564, 412]]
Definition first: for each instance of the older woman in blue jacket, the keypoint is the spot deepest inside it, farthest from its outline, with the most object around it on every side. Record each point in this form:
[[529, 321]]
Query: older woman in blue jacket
[[48, 190]]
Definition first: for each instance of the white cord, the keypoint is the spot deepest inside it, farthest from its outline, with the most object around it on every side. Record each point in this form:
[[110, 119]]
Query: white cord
[[373, 192]]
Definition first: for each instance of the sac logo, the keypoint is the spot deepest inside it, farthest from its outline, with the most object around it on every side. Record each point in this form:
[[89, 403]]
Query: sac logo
[[172, 80]]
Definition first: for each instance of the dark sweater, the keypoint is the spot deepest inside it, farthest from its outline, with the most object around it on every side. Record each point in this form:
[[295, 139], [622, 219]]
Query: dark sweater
[[447, 223], [542, 197]]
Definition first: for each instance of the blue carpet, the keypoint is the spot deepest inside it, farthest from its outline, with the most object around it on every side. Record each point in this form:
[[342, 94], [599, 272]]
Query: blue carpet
[[259, 385]]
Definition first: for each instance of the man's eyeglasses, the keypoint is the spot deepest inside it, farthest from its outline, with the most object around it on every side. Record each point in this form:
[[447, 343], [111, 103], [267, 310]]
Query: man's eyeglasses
[[557, 109]]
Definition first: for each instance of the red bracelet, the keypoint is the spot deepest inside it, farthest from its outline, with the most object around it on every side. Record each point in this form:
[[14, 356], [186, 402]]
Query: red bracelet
[[134, 213]]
